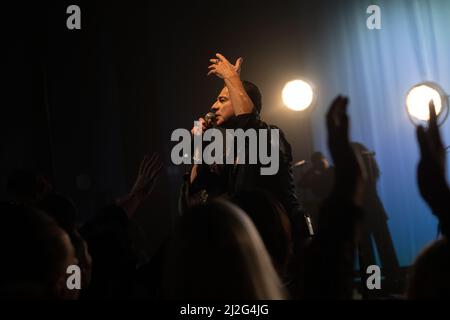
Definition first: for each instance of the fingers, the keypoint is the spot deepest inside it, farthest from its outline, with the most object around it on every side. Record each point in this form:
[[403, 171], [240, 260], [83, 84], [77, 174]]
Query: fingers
[[222, 58], [203, 122], [199, 128], [219, 69], [337, 127], [433, 127], [343, 117], [433, 117], [341, 114], [212, 69], [156, 171], [432, 123], [330, 113], [337, 114], [238, 64], [151, 163], [142, 165], [422, 138], [152, 181], [147, 163]]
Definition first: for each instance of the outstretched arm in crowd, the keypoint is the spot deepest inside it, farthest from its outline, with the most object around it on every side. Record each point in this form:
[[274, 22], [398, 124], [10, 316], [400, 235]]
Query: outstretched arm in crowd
[[143, 186], [109, 241], [431, 171], [330, 259]]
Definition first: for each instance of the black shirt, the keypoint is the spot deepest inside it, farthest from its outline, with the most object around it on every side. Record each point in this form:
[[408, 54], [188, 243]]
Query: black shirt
[[232, 178]]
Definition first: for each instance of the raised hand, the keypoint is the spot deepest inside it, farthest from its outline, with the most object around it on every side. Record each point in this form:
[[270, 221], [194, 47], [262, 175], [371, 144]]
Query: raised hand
[[337, 126], [431, 169], [148, 173], [222, 68], [143, 186], [334, 245], [348, 172]]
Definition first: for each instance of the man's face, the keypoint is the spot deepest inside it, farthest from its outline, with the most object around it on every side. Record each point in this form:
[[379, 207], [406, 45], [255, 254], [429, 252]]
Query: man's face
[[223, 107]]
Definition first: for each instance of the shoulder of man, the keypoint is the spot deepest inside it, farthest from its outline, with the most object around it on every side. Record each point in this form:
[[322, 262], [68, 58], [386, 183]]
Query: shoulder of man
[[246, 121], [251, 121], [284, 145]]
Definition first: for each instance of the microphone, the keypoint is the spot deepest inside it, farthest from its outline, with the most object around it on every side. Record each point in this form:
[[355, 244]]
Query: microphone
[[300, 163], [210, 120]]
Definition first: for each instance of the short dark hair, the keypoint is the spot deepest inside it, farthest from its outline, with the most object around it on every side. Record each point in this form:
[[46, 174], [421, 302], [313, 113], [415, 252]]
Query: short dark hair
[[254, 94]]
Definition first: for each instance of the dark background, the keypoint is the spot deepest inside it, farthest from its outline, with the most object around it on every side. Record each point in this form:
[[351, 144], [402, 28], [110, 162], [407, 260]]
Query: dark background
[[84, 106]]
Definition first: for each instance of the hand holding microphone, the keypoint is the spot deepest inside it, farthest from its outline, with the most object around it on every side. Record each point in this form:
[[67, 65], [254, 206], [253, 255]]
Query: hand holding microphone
[[209, 121], [202, 124]]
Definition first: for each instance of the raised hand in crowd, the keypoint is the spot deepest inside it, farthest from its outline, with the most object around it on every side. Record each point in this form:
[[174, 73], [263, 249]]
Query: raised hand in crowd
[[348, 179], [143, 186], [332, 251], [430, 276], [431, 176]]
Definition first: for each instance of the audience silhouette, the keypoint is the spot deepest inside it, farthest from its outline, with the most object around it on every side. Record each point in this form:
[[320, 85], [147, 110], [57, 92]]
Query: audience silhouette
[[233, 247]]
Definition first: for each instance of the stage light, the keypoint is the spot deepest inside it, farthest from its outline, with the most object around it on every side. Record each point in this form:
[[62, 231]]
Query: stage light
[[418, 99], [297, 95]]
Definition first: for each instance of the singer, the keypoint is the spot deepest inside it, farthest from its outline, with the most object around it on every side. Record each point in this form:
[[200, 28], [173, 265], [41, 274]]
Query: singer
[[238, 105]]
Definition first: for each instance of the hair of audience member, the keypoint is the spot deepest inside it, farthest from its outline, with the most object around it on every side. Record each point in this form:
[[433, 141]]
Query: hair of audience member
[[218, 254], [36, 253], [430, 278], [272, 223], [63, 211]]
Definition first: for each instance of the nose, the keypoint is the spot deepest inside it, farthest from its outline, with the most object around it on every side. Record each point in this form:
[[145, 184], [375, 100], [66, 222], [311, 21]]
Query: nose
[[214, 107]]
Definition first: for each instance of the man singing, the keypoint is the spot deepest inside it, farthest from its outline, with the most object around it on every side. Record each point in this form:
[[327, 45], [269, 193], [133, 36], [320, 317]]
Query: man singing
[[238, 106]]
